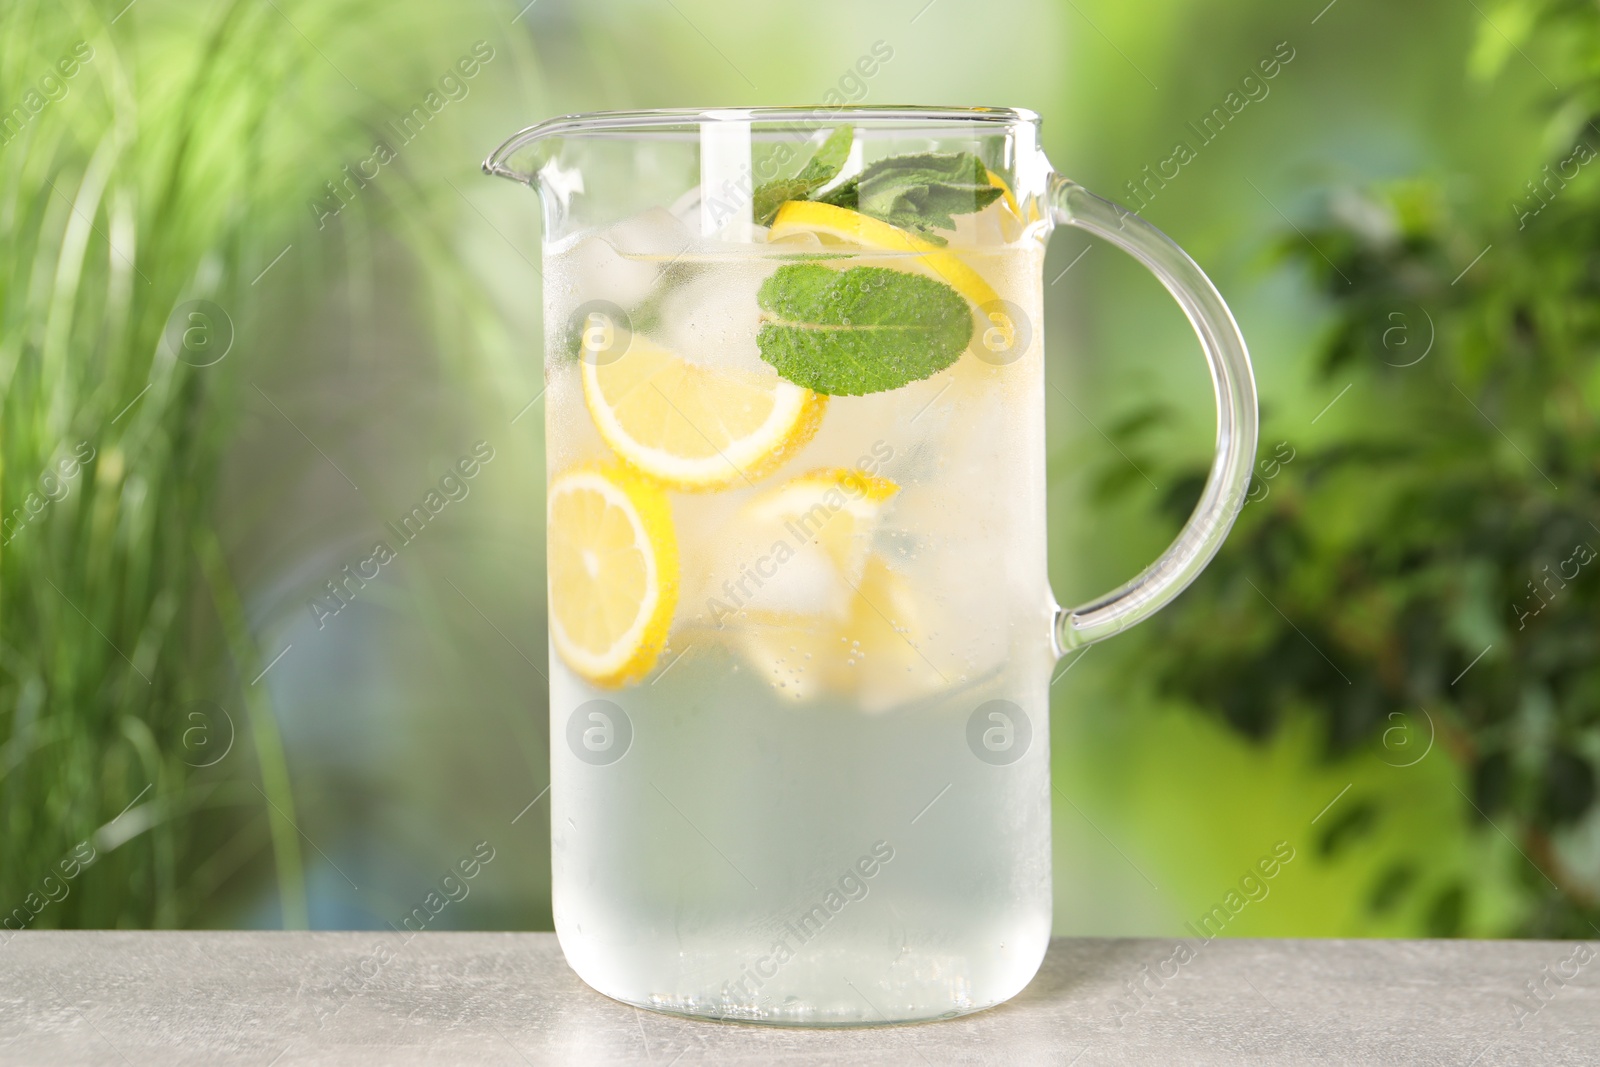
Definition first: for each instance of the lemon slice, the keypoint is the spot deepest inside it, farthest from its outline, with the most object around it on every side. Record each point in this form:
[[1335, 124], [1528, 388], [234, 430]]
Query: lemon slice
[[831, 617], [1006, 198], [1010, 201], [840, 225], [694, 427], [789, 553], [873, 656], [1008, 213], [613, 569], [833, 512]]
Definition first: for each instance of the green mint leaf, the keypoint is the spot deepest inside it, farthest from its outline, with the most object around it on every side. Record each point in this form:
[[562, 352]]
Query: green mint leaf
[[829, 158], [919, 192], [861, 330], [823, 166]]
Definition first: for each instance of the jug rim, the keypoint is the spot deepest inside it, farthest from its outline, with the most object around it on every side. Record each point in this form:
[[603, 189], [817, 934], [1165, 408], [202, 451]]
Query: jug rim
[[645, 120]]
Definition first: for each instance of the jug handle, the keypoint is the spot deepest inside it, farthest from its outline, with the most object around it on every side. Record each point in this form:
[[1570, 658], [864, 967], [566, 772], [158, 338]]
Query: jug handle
[[1234, 386]]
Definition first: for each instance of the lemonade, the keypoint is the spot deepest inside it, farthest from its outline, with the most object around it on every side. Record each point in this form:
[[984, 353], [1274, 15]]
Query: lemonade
[[800, 628]]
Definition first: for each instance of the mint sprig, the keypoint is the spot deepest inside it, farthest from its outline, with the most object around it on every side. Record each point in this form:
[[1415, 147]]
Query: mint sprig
[[918, 192], [823, 166], [861, 330]]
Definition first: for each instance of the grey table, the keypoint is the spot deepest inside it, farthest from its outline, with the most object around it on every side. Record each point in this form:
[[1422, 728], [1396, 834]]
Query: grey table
[[282, 999]]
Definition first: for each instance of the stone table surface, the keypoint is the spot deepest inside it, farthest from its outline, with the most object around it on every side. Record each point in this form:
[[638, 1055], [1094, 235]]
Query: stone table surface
[[282, 999]]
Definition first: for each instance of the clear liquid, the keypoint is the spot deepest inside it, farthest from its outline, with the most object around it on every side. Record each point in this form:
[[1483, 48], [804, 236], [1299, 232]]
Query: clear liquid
[[772, 845]]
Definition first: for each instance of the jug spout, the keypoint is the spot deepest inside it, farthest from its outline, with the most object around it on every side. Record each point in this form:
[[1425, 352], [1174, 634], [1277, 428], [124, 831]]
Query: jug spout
[[534, 157], [522, 155], [587, 168]]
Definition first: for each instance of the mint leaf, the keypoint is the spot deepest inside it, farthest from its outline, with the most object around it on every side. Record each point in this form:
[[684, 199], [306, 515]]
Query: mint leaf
[[919, 192], [861, 330], [823, 166]]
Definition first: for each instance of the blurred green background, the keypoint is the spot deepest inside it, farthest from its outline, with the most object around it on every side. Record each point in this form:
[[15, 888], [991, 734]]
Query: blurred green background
[[229, 759]]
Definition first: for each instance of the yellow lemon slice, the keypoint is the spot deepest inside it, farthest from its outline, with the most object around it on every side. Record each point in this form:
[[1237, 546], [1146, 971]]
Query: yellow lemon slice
[[1005, 193], [793, 552], [1008, 212], [613, 565], [833, 512], [840, 225], [695, 427], [1010, 201], [873, 656]]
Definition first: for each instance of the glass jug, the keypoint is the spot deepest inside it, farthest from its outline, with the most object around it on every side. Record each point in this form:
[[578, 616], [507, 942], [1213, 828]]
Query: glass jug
[[801, 633]]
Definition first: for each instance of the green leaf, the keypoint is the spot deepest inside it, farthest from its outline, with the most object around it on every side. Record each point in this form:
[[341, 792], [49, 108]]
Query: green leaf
[[919, 192], [823, 166], [861, 330]]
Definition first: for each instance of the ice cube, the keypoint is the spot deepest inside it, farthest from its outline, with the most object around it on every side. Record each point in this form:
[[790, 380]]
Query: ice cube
[[600, 273], [760, 568], [624, 263], [654, 233], [709, 314]]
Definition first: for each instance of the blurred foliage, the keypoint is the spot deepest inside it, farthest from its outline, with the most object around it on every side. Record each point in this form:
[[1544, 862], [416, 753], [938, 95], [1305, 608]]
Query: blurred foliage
[[154, 156], [1418, 573], [129, 189]]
